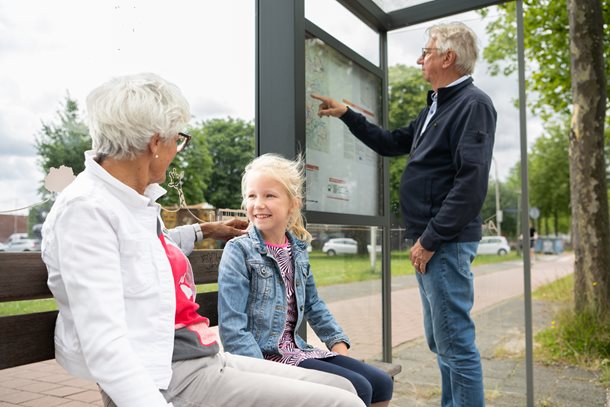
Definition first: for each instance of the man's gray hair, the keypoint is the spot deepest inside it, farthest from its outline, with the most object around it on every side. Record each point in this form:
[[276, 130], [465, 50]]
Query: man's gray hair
[[125, 112], [459, 38]]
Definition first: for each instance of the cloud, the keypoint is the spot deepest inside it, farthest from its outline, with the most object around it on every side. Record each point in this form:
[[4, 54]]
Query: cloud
[[205, 47], [19, 181]]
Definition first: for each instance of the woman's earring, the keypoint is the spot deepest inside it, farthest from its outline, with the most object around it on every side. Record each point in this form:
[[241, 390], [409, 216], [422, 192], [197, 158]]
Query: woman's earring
[[156, 155]]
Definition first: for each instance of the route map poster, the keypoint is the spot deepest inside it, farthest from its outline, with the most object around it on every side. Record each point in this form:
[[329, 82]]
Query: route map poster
[[343, 175]]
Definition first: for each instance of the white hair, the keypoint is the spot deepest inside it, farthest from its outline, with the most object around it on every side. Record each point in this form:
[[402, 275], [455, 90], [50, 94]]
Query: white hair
[[459, 38], [125, 112]]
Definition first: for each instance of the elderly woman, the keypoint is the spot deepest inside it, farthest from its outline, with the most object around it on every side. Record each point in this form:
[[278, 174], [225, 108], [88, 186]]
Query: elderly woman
[[123, 284]]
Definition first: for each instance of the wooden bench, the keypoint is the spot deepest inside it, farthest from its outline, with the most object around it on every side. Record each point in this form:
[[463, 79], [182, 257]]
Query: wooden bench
[[28, 338]]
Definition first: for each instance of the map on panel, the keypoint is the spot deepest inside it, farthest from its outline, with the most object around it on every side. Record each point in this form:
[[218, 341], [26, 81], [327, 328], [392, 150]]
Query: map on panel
[[342, 173]]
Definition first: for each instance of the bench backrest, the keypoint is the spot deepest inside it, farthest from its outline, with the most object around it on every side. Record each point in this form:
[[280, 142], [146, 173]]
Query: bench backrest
[[28, 338]]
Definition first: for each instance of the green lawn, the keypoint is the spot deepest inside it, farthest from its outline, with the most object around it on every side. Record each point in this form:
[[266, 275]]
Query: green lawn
[[327, 270], [27, 307]]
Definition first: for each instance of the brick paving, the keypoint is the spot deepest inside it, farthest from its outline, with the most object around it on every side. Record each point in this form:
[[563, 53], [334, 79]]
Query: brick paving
[[45, 384]]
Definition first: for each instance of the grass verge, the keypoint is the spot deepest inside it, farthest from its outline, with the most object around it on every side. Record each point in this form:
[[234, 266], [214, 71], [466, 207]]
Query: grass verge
[[573, 339]]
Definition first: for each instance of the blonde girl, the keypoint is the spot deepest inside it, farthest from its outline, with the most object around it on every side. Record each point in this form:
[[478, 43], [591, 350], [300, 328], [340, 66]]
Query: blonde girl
[[267, 289]]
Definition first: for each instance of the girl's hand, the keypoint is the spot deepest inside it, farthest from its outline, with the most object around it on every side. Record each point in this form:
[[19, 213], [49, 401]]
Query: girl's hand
[[340, 348]]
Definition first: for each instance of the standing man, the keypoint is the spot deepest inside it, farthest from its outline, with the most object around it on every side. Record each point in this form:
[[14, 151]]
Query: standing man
[[442, 190]]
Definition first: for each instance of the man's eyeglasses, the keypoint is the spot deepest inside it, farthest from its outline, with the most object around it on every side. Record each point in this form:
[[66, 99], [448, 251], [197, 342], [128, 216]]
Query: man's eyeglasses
[[183, 141], [427, 51]]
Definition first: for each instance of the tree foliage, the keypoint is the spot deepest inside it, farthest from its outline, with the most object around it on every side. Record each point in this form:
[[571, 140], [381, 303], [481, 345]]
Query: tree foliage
[[60, 142], [546, 51], [407, 96], [63, 142], [231, 144], [211, 165], [567, 44], [195, 163], [549, 174], [508, 205]]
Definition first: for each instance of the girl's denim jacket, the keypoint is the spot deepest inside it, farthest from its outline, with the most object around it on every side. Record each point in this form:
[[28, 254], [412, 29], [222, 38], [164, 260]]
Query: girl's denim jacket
[[252, 303]]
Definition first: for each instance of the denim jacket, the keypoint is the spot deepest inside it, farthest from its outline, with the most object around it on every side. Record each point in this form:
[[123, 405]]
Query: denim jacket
[[252, 305]]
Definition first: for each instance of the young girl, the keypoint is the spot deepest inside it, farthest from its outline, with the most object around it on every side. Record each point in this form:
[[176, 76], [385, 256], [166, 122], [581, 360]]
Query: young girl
[[266, 287]]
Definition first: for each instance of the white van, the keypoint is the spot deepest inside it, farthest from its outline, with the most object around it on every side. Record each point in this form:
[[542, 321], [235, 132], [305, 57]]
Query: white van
[[493, 245]]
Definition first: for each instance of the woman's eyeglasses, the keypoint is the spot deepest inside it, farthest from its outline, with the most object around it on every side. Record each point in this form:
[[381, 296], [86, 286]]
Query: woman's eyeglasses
[[183, 141]]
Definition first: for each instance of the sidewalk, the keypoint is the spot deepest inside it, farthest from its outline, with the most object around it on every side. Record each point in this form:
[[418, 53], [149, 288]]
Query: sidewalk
[[499, 316], [498, 313], [357, 306], [501, 341]]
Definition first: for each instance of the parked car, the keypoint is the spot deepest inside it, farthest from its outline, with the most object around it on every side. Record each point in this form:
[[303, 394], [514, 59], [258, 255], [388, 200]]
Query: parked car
[[23, 245], [2, 247], [16, 236], [493, 245], [343, 245]]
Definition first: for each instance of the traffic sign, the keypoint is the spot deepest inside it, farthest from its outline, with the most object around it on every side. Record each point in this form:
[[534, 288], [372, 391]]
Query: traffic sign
[[534, 213]]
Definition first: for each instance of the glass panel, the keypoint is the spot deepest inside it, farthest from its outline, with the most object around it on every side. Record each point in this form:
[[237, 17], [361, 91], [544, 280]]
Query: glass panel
[[498, 310], [342, 173], [336, 20], [348, 278], [49, 55]]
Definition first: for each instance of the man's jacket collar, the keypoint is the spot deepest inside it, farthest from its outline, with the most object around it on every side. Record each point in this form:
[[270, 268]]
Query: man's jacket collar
[[445, 94]]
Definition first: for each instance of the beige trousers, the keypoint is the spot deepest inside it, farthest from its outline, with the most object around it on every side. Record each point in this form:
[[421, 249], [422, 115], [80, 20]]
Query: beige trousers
[[230, 380]]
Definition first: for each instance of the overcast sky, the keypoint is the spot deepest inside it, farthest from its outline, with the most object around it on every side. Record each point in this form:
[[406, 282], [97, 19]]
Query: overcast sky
[[49, 48]]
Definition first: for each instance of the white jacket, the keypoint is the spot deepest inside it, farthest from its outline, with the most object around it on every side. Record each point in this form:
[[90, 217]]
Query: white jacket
[[113, 285]]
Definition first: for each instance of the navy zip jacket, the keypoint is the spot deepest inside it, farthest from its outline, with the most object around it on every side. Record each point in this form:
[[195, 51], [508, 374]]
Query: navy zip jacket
[[444, 184]]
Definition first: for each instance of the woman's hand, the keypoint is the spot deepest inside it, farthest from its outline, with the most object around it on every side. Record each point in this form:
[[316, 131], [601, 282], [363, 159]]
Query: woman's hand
[[225, 229], [340, 348]]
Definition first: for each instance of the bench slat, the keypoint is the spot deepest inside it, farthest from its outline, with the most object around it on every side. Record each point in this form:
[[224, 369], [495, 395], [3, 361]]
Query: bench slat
[[27, 338], [205, 265], [23, 276], [208, 306]]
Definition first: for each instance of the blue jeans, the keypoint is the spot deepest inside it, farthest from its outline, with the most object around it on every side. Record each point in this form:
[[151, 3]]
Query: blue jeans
[[447, 295]]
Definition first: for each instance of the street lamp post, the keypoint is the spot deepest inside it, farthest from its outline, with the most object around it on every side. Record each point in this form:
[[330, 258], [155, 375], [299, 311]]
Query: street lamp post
[[498, 209]]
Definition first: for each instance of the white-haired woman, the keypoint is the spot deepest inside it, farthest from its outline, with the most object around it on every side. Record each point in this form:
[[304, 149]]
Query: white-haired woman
[[123, 284]]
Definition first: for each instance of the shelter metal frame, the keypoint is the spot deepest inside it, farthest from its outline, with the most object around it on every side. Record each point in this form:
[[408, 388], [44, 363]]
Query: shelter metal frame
[[280, 109]]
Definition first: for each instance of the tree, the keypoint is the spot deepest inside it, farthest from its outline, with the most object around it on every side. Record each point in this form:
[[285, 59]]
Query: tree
[[508, 205], [195, 163], [549, 176], [570, 81], [407, 96], [231, 144], [64, 142], [587, 166], [548, 66]]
